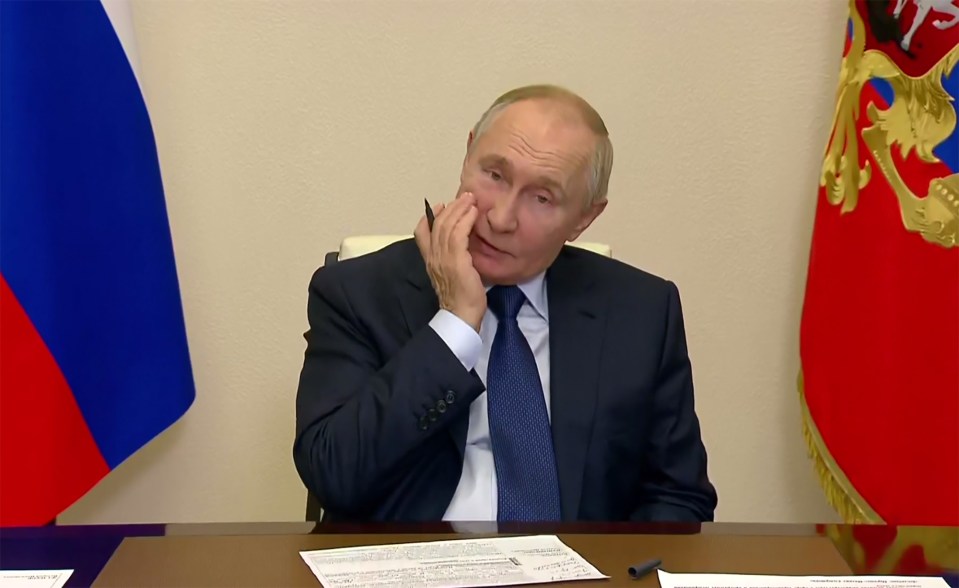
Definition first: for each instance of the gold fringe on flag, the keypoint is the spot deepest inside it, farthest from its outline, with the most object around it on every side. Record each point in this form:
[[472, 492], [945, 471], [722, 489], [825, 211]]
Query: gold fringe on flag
[[840, 493]]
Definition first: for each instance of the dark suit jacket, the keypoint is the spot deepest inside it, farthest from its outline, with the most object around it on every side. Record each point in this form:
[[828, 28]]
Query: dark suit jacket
[[382, 409]]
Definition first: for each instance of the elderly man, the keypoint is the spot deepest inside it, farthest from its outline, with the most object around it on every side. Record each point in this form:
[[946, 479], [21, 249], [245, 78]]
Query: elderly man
[[486, 371]]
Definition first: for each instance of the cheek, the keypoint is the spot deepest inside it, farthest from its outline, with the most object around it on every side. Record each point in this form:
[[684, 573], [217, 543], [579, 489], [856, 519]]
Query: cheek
[[467, 183], [542, 232], [485, 199], [485, 194]]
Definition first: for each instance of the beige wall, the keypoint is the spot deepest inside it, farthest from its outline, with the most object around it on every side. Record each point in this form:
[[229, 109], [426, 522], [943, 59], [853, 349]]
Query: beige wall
[[284, 125]]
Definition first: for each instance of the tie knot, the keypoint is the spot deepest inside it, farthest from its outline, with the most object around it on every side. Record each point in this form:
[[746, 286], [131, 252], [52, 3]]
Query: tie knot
[[505, 301]]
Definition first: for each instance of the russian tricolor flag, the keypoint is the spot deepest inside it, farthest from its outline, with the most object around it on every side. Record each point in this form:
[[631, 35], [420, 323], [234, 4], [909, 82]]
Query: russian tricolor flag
[[93, 352]]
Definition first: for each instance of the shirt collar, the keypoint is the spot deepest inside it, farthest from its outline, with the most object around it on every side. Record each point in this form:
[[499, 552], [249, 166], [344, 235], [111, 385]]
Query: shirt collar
[[535, 291]]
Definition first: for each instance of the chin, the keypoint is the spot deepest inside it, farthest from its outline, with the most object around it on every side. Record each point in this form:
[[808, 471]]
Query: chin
[[493, 273]]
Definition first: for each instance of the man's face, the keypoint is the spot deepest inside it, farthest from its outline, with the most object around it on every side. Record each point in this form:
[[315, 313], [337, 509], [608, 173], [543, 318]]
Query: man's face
[[528, 172]]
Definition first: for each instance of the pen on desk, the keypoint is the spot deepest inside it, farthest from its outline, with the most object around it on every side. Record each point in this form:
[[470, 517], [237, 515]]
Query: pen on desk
[[639, 570], [429, 214]]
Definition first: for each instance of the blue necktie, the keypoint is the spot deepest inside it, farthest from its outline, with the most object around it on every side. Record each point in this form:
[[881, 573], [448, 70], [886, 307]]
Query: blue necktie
[[526, 481]]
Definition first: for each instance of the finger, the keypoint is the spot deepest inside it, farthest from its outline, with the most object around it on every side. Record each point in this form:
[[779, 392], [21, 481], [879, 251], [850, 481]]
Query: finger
[[445, 223], [461, 233], [460, 202], [454, 213], [432, 233]]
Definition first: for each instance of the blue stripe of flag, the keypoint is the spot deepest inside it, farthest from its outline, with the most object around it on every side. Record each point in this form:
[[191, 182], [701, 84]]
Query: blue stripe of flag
[[86, 242]]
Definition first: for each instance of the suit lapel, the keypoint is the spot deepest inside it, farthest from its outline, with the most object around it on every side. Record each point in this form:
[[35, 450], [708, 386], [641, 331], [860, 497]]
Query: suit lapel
[[419, 305], [577, 313]]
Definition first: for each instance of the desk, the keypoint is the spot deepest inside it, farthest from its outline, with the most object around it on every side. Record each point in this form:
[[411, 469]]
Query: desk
[[267, 554]]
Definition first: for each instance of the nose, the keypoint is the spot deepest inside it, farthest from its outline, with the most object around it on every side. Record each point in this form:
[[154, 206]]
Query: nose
[[502, 214]]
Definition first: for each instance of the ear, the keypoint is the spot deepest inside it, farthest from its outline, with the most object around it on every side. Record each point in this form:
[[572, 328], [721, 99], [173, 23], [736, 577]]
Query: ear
[[587, 218], [469, 143]]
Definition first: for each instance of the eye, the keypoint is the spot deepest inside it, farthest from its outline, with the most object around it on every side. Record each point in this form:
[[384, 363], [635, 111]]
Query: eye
[[542, 199], [494, 175]]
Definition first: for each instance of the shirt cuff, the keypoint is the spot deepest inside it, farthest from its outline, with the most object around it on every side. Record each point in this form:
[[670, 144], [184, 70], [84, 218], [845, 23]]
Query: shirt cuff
[[463, 341]]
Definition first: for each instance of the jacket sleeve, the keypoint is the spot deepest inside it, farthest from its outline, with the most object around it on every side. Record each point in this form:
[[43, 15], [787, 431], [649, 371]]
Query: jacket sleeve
[[362, 420], [677, 487]]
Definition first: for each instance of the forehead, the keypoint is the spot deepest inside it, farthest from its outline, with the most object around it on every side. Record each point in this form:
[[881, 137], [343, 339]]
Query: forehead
[[549, 136]]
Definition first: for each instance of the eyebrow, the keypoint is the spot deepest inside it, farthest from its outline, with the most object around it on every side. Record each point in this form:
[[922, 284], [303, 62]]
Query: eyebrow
[[505, 164]]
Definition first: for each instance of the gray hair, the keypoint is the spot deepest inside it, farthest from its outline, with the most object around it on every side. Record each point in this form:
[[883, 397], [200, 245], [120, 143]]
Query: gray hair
[[601, 162]]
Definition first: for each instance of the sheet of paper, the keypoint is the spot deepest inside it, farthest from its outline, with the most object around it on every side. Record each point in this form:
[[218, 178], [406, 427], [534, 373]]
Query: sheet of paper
[[461, 563], [667, 580], [34, 578]]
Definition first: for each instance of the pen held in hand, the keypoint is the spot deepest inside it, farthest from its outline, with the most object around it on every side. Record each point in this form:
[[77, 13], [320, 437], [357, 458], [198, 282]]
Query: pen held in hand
[[429, 214], [639, 570]]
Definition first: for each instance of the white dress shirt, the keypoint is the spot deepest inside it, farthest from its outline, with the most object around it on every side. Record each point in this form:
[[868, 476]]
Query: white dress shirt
[[475, 496]]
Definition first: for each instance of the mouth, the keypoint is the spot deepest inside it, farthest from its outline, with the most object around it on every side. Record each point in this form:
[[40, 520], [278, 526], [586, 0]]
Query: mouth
[[488, 248]]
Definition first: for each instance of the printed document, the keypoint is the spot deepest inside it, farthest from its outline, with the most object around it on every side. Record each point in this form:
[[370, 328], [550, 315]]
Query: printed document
[[34, 578], [462, 563], [667, 580]]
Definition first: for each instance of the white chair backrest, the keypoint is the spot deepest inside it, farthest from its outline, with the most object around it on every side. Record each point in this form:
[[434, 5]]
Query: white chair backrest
[[358, 245]]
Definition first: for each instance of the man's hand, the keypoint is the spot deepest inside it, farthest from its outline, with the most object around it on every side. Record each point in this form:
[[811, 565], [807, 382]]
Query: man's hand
[[448, 262]]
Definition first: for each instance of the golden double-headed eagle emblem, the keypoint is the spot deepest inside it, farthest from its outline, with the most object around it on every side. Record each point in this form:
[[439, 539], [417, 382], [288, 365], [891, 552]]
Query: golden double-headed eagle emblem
[[920, 118]]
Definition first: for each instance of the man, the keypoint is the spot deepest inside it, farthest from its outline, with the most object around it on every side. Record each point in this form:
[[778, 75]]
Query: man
[[487, 371]]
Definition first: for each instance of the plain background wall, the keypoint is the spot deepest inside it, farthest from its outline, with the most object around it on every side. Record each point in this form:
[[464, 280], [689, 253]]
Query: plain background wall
[[284, 125]]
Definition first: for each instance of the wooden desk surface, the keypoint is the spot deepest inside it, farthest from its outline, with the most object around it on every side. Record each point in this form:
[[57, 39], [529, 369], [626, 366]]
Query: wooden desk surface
[[274, 560], [267, 554]]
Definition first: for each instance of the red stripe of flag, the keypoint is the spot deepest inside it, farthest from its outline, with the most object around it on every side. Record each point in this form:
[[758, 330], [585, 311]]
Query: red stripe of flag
[[48, 458]]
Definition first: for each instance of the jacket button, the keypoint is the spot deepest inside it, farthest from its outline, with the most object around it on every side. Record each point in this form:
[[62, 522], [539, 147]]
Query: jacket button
[[424, 423], [431, 414], [450, 397], [440, 406]]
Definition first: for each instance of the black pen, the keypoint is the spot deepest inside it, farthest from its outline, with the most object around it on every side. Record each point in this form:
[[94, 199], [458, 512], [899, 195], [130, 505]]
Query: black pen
[[429, 214], [639, 570]]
